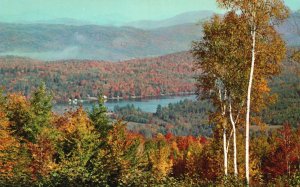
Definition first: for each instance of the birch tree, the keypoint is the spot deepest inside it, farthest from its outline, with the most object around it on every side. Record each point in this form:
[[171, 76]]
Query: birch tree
[[222, 77], [259, 15]]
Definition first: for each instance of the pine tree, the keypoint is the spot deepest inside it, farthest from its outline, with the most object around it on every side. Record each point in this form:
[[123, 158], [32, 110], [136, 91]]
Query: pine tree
[[41, 106], [99, 118], [159, 110]]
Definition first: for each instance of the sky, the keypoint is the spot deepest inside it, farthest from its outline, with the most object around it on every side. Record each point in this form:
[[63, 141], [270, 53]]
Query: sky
[[107, 12]]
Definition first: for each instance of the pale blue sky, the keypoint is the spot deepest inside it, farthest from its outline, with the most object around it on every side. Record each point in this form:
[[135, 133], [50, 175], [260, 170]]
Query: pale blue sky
[[104, 11]]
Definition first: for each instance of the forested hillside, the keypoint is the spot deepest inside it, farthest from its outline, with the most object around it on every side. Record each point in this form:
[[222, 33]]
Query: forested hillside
[[170, 74], [287, 89], [40, 148], [184, 118], [242, 66]]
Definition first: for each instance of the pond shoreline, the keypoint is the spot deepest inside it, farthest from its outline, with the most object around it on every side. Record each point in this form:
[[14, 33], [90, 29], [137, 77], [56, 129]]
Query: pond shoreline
[[146, 105], [135, 98]]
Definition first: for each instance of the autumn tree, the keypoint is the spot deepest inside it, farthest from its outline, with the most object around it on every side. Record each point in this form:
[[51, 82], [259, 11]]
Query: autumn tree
[[29, 117], [41, 163], [21, 117], [158, 152], [13, 155], [123, 159], [259, 16], [8, 156], [78, 143], [222, 77], [283, 158]]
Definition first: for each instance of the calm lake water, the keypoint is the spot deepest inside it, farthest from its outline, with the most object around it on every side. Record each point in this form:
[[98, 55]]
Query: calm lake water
[[146, 105]]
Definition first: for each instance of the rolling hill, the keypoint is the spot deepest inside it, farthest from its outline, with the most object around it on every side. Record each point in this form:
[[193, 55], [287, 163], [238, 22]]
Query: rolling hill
[[169, 74], [81, 79], [56, 41], [94, 42]]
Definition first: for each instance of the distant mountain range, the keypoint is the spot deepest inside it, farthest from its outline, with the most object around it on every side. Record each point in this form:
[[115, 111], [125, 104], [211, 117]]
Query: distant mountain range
[[73, 39], [290, 29], [53, 42], [64, 21], [188, 17]]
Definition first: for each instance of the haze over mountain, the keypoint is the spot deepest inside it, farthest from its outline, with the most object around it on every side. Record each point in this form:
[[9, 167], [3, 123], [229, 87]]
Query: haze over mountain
[[187, 17], [69, 38], [64, 21], [72, 39], [52, 42], [290, 29]]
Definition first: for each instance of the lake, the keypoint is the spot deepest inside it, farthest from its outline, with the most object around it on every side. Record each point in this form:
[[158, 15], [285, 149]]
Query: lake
[[146, 105]]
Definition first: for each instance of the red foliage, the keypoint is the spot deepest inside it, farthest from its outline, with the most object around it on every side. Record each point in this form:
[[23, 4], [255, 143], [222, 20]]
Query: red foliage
[[170, 74], [41, 158], [284, 157]]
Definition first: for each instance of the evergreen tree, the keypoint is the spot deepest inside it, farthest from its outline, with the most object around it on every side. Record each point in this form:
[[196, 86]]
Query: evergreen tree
[[159, 110], [99, 117], [41, 106]]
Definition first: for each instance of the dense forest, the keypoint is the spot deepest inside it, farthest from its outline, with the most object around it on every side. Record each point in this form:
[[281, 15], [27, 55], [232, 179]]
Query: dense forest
[[78, 148], [180, 119], [179, 145], [287, 89], [191, 117], [243, 129], [170, 74], [148, 77]]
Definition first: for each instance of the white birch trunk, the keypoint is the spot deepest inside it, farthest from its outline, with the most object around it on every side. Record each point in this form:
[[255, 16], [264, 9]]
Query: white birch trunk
[[225, 152], [223, 110], [234, 152], [234, 141], [247, 143]]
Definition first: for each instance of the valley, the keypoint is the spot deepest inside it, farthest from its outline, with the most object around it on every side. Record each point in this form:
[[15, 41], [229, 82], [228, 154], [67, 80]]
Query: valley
[[149, 93]]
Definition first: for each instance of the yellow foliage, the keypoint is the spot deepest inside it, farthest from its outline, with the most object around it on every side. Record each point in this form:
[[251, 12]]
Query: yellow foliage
[[160, 157], [9, 147]]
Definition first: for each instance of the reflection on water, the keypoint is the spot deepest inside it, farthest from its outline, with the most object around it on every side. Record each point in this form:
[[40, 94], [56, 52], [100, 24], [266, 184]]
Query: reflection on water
[[146, 105]]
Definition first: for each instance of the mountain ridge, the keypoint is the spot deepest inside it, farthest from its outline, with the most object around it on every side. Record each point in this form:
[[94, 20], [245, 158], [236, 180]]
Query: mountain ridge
[[58, 41], [54, 42], [183, 18]]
